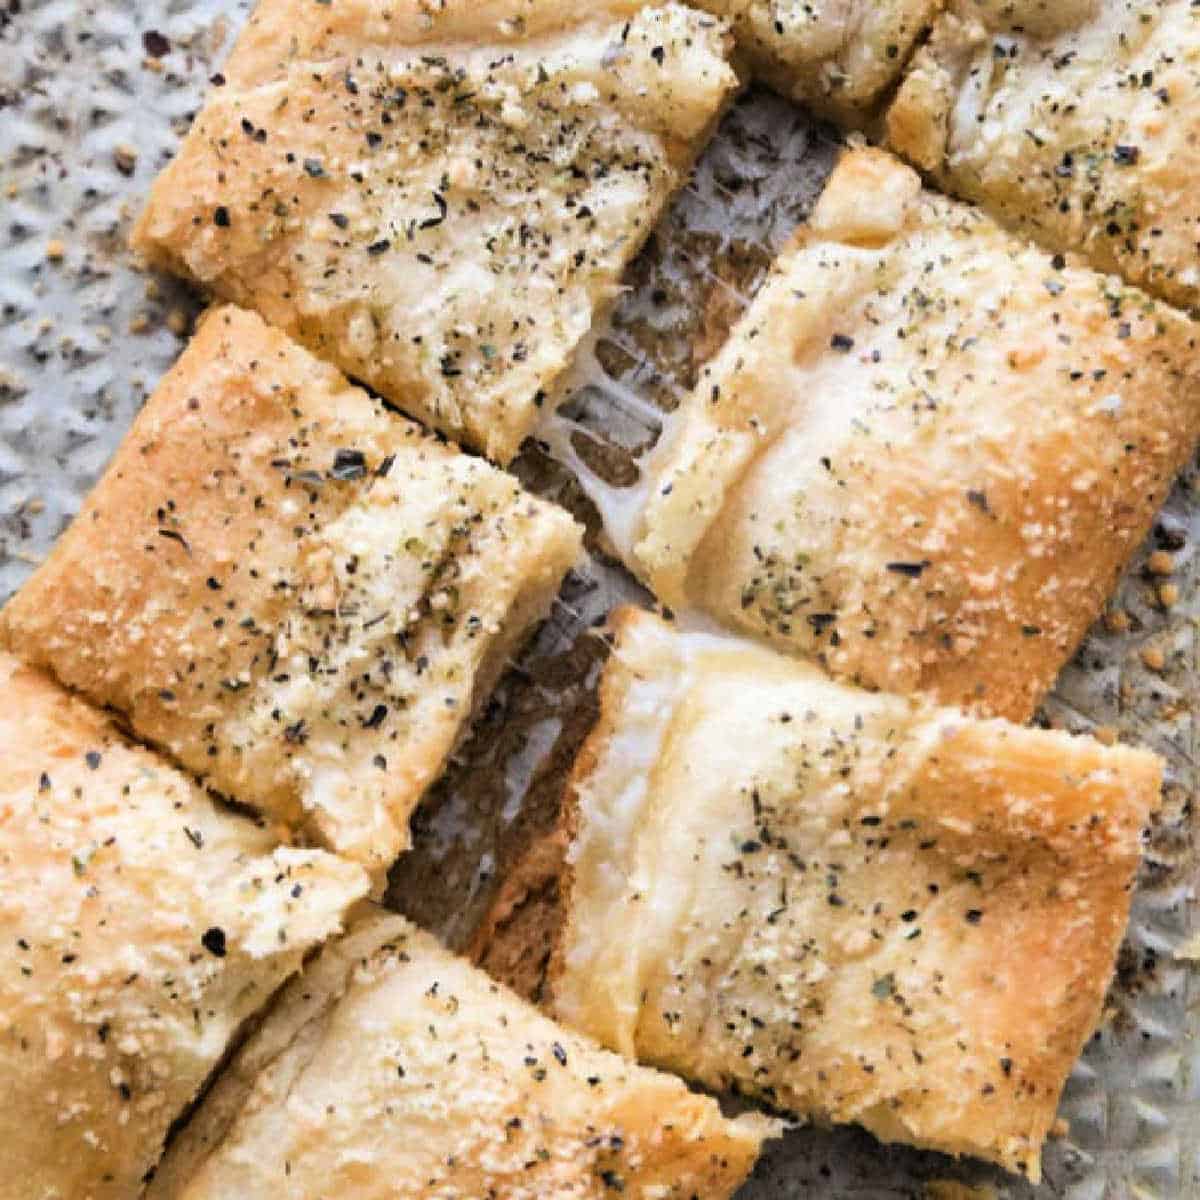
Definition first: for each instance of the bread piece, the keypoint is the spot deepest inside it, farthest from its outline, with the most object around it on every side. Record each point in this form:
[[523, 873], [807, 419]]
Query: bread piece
[[927, 451], [839, 58], [140, 927], [857, 908], [1073, 122], [440, 198], [297, 594], [393, 1069]]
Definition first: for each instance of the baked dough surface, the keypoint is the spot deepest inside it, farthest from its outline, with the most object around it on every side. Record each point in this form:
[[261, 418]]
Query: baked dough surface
[[1072, 121], [857, 908], [295, 593], [440, 198], [139, 928], [837, 56], [926, 453], [392, 1069]]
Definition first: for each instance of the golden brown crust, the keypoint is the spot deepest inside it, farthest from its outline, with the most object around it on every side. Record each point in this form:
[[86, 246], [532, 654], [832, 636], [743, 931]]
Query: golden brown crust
[[395, 1070], [838, 58], [279, 33], [835, 901], [140, 927], [296, 594], [440, 199], [926, 453], [1071, 122]]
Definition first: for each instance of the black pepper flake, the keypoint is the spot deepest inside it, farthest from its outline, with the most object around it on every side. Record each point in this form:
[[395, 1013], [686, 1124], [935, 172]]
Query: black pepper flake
[[1126, 156], [314, 168], [443, 209], [974, 916], [172, 536], [911, 570], [841, 342], [560, 1054], [92, 758], [155, 45], [659, 54], [348, 465], [339, 219], [377, 718], [221, 217], [380, 247], [44, 782], [213, 940]]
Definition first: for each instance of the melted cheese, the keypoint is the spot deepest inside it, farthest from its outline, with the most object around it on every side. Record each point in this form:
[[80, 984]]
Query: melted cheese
[[835, 901], [926, 452]]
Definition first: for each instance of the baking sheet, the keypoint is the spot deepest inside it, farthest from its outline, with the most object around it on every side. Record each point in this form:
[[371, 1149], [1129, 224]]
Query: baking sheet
[[92, 99]]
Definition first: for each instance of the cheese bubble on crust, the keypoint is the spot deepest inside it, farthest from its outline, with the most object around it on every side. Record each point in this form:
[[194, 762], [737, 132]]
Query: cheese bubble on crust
[[854, 907], [440, 198], [1072, 122], [298, 595], [140, 928], [926, 452], [393, 1069]]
